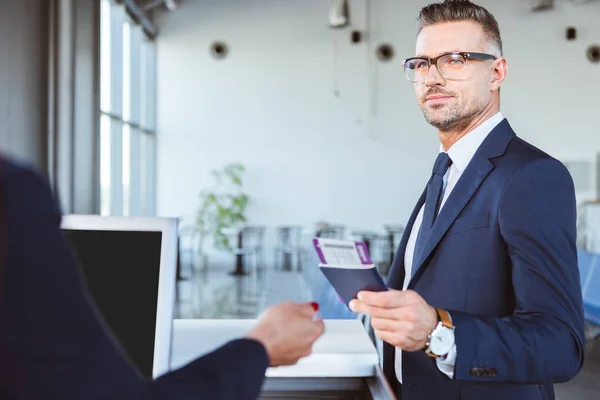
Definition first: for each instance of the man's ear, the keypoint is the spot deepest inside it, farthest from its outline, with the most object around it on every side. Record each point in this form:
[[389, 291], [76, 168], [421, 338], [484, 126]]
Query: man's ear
[[499, 72]]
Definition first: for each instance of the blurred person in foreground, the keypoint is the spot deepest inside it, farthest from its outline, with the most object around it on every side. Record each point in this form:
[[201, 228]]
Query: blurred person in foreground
[[54, 345], [485, 300]]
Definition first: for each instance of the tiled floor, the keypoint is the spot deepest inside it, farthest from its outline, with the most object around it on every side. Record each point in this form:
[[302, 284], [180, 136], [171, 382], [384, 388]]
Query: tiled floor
[[218, 295]]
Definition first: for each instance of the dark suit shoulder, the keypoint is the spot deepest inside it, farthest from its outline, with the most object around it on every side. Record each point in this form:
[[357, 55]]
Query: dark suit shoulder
[[505, 149], [534, 177], [525, 152], [12, 169], [522, 156], [24, 189]]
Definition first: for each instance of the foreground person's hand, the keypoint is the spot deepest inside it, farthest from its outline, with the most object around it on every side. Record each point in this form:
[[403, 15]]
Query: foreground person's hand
[[288, 332]]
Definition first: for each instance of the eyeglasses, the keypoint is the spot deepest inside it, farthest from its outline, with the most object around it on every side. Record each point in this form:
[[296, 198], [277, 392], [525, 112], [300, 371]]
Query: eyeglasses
[[449, 65]]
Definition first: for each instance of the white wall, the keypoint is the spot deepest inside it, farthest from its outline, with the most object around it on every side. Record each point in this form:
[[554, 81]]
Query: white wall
[[24, 81], [48, 109], [360, 158]]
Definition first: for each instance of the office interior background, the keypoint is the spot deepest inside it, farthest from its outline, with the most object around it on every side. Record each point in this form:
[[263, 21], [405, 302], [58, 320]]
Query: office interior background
[[130, 106]]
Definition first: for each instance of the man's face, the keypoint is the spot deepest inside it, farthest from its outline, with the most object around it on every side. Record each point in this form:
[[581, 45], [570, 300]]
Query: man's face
[[450, 104]]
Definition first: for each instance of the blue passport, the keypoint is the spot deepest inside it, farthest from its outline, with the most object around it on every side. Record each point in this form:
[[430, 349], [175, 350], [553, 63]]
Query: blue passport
[[348, 267]]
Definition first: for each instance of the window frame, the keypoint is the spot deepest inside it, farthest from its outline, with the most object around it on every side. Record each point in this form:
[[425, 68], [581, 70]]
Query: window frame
[[127, 172]]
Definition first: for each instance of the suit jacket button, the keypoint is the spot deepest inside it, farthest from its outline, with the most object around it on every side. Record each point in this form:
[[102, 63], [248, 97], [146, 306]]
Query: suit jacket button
[[475, 372]]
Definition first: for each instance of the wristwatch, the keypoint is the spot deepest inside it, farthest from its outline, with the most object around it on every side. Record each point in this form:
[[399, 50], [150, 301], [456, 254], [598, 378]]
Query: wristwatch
[[441, 339]]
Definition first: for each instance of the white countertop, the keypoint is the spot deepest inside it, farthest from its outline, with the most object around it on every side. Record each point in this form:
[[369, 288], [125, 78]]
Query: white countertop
[[344, 350]]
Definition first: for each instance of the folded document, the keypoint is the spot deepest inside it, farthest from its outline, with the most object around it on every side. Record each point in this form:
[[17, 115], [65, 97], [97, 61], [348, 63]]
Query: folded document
[[348, 267]]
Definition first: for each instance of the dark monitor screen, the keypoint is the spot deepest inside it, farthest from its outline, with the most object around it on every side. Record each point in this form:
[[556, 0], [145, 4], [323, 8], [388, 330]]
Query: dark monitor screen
[[122, 270]]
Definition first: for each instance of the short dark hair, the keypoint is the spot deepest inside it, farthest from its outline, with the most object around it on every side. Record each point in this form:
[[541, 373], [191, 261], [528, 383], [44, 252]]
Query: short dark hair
[[461, 10]]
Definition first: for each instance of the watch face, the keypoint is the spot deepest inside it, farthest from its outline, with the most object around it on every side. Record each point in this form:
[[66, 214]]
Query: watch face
[[442, 341]]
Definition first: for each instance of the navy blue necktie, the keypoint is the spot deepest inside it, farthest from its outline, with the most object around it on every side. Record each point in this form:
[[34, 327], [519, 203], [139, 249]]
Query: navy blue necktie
[[432, 202]]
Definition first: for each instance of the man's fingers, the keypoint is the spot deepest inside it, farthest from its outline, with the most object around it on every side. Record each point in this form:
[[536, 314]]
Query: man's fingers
[[397, 339], [359, 307], [384, 324], [362, 308], [407, 329], [390, 337], [387, 299]]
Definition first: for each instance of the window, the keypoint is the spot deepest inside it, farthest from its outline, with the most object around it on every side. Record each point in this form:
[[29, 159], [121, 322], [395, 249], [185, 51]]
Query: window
[[127, 125]]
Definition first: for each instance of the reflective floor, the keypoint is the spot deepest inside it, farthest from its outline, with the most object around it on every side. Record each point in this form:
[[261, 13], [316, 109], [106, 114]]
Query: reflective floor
[[215, 294]]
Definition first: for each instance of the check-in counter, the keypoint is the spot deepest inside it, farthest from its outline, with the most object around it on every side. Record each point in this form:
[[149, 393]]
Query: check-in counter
[[344, 364]]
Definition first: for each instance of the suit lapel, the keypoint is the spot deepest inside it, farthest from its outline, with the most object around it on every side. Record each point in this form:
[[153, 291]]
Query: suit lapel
[[396, 276], [468, 183], [473, 176]]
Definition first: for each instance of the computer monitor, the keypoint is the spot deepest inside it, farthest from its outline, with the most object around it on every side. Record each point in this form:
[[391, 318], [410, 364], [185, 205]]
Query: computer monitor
[[129, 265]]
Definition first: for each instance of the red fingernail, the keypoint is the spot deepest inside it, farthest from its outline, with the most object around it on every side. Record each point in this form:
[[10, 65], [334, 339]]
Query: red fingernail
[[315, 306]]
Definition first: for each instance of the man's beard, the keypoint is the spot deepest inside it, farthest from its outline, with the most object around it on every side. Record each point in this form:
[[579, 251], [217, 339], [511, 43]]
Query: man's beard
[[450, 119], [451, 116]]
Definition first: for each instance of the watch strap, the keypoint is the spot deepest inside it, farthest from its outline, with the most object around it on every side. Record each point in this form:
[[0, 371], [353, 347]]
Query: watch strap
[[444, 318], [446, 321]]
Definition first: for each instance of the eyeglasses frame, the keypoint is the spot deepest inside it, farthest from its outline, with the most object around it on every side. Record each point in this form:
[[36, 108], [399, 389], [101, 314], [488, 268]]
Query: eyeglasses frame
[[434, 60]]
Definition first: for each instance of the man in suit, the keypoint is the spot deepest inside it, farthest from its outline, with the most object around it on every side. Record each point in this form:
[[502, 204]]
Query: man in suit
[[54, 345], [484, 299]]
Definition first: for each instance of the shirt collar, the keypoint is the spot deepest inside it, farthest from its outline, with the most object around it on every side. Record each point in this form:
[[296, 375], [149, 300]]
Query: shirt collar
[[464, 149]]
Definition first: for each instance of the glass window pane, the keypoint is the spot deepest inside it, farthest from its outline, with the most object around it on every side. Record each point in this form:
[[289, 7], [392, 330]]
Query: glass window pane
[[126, 71], [135, 185], [128, 92], [142, 172], [116, 167], [116, 60], [144, 84], [136, 68], [148, 83], [105, 165], [151, 176], [105, 59], [147, 173], [126, 169]]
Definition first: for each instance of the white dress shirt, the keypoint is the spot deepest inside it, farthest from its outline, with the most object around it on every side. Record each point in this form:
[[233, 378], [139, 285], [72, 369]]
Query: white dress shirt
[[461, 154]]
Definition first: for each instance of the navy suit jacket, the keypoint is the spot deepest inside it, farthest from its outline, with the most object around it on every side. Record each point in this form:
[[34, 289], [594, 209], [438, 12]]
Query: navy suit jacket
[[53, 345], [502, 259]]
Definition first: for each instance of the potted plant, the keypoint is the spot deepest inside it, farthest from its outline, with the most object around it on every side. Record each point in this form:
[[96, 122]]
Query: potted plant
[[223, 206]]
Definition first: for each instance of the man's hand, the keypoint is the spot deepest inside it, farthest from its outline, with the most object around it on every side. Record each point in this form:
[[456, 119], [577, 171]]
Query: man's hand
[[288, 332], [400, 318]]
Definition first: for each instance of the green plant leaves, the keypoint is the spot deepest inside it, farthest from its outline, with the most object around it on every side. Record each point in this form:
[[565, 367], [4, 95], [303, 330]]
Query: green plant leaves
[[224, 206]]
